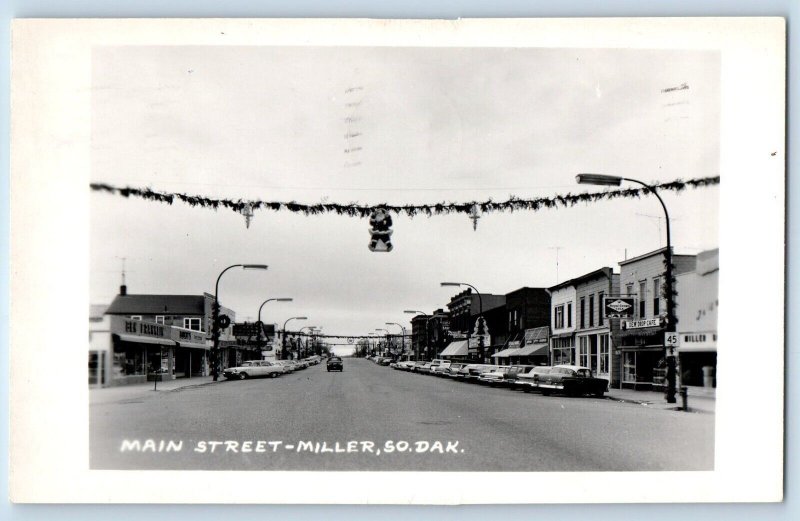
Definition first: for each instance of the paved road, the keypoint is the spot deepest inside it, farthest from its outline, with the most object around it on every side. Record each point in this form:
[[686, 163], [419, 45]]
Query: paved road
[[369, 409]]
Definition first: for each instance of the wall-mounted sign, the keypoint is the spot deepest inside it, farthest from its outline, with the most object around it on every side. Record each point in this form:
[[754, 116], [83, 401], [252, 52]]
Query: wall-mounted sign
[[638, 324], [619, 307], [139, 328]]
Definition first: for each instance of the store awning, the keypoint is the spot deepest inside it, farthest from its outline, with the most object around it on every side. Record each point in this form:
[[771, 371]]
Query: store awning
[[534, 350], [136, 339], [193, 345], [505, 353], [457, 348]]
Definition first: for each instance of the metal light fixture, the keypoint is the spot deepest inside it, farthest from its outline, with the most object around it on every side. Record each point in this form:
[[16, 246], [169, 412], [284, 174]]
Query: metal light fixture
[[598, 179]]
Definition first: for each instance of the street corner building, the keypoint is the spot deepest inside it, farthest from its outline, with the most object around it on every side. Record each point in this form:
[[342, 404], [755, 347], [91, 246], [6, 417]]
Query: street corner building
[[139, 338]]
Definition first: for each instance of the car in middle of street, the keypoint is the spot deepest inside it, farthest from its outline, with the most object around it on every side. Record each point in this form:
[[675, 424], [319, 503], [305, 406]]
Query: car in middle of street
[[253, 369]]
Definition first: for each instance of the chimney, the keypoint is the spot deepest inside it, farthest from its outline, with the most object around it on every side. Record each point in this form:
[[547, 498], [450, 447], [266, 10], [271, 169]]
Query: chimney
[[123, 290]]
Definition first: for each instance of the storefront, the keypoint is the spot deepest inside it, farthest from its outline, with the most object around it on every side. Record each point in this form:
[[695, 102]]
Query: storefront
[[697, 359], [140, 349], [641, 345], [191, 353], [563, 348]]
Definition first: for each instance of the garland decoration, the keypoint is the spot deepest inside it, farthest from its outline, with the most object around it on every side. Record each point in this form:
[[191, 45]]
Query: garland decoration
[[511, 204]]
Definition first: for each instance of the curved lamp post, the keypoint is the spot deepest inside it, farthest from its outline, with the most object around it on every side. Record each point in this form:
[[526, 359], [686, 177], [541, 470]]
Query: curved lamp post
[[403, 338], [260, 327], [387, 335], [283, 340], [216, 360], [610, 180], [311, 329], [480, 314]]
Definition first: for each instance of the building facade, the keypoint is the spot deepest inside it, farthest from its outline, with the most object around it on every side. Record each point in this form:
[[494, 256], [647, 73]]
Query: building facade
[[640, 338], [526, 309], [464, 310], [594, 332], [698, 292], [562, 323], [165, 336]]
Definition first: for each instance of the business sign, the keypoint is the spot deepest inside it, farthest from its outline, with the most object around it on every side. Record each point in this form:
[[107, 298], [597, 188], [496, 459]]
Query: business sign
[[639, 324], [245, 329], [619, 307], [139, 328]]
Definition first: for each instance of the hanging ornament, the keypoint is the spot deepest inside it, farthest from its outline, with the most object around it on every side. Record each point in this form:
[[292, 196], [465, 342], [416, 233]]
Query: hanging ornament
[[474, 214], [381, 231], [247, 211]]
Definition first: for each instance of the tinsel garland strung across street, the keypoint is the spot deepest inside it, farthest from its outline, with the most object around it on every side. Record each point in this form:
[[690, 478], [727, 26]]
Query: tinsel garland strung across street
[[358, 210]]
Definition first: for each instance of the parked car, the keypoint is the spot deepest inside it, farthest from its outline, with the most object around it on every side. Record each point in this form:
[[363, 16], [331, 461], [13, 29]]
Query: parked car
[[417, 366], [287, 365], [440, 368], [253, 369], [515, 371], [474, 371], [573, 380], [404, 366], [452, 370], [385, 361], [425, 368], [335, 364], [496, 376], [530, 380]]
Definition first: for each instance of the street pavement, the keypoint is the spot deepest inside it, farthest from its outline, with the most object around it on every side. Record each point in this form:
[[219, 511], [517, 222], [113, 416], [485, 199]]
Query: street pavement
[[372, 417]]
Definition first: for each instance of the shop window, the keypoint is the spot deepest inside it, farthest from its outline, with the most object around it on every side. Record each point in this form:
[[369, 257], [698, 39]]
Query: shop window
[[192, 323], [629, 289], [583, 351], [583, 313], [601, 308], [656, 297], [642, 298], [591, 310], [629, 367], [569, 314], [605, 355]]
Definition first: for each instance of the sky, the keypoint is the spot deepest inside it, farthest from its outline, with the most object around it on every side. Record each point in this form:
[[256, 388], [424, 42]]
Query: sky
[[393, 125]]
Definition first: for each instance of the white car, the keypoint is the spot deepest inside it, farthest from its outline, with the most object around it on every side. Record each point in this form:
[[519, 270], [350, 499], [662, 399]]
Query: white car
[[530, 380], [253, 369], [440, 368], [494, 376]]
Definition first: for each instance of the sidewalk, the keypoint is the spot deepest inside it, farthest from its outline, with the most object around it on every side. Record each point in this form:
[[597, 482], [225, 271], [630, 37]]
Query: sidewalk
[[126, 392], [700, 400]]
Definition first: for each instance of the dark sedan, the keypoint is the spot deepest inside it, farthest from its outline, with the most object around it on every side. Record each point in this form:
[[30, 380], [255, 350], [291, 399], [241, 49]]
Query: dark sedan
[[573, 380], [335, 364]]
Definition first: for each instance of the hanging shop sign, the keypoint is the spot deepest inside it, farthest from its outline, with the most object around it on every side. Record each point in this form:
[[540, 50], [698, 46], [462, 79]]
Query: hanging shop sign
[[639, 324], [619, 307], [139, 328]]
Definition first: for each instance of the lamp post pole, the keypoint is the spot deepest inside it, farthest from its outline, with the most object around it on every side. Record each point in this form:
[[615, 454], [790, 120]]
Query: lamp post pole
[[469, 317], [669, 289], [427, 318], [260, 326], [215, 333], [387, 335], [311, 329], [403, 338], [283, 339]]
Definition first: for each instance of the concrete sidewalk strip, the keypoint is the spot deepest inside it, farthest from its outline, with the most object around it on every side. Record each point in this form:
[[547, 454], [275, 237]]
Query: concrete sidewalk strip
[[696, 403]]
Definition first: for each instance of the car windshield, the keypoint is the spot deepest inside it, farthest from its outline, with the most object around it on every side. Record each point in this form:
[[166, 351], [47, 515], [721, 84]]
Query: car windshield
[[336, 359], [249, 364]]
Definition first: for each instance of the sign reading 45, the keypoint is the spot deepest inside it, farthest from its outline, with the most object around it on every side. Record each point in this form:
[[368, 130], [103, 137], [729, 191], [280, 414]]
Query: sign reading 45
[[671, 339]]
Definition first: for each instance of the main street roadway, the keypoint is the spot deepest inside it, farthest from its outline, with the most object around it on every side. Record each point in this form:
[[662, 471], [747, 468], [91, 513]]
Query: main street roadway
[[296, 421]]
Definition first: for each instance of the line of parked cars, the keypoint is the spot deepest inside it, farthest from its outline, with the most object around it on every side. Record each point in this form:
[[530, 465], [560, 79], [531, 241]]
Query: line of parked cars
[[268, 368], [572, 380]]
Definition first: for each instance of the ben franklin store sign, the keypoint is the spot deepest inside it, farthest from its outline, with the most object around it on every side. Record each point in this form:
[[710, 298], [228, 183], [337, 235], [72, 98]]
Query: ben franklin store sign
[[137, 327]]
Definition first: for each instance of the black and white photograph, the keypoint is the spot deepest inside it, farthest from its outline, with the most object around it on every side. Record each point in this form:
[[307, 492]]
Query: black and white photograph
[[424, 257]]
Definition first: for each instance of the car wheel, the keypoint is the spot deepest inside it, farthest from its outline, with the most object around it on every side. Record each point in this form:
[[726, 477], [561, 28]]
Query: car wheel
[[273, 375], [242, 376], [545, 392], [600, 393]]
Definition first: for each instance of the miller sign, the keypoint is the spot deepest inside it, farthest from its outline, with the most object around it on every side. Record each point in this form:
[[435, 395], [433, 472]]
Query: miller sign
[[619, 307]]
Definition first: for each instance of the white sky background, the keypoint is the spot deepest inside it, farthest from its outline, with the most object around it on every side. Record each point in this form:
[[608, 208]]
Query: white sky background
[[436, 124]]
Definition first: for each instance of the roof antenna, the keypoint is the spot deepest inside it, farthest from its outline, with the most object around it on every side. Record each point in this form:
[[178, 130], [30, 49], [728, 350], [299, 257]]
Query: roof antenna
[[123, 289]]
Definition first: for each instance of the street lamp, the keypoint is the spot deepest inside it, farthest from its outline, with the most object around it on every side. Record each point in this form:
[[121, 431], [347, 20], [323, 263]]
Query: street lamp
[[283, 340], [403, 338], [310, 328], [215, 316], [260, 327], [610, 180], [387, 335], [480, 314]]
